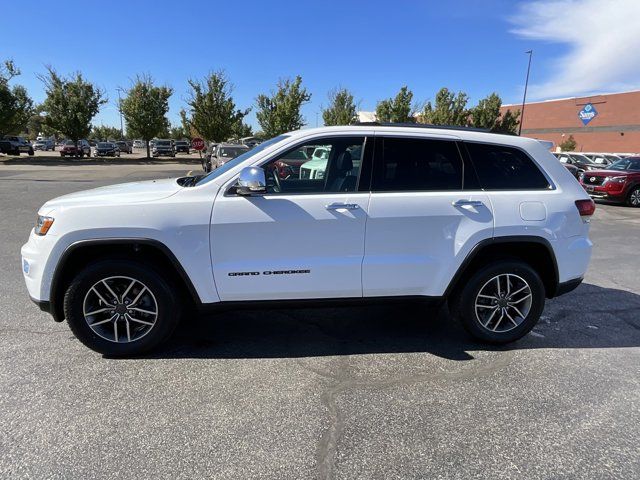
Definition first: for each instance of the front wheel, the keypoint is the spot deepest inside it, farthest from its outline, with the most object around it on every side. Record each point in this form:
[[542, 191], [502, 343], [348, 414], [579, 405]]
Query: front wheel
[[633, 200], [501, 302], [120, 308]]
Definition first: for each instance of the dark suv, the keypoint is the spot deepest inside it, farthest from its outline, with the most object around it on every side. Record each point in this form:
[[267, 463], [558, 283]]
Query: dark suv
[[15, 145], [620, 182], [182, 146]]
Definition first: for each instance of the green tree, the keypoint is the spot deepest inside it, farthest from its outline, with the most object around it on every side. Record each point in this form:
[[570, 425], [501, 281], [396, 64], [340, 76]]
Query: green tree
[[342, 109], [508, 122], [16, 107], [569, 145], [145, 108], [212, 111], [448, 109], [177, 132], [279, 112], [398, 109], [71, 104], [487, 115], [104, 133], [242, 130]]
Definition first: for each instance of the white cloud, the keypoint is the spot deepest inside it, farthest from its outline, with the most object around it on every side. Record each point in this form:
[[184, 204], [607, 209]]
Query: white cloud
[[603, 37]]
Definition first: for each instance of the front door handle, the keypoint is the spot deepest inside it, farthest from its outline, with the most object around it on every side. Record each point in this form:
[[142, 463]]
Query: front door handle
[[467, 203], [342, 206]]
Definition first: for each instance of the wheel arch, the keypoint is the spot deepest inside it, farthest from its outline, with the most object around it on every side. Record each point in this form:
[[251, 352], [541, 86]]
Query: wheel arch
[[81, 253], [537, 252]]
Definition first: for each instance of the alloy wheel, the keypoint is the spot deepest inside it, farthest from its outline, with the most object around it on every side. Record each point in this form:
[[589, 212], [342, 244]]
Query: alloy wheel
[[120, 309], [503, 303], [634, 198]]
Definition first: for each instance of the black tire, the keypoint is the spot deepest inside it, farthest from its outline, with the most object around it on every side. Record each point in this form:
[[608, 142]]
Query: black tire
[[633, 199], [31, 153], [168, 311], [464, 304]]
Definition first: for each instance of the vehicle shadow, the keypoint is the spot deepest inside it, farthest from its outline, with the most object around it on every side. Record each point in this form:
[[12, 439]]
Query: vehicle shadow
[[589, 317]]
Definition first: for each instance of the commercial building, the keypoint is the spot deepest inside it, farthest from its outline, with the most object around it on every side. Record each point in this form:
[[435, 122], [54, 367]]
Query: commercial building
[[598, 123]]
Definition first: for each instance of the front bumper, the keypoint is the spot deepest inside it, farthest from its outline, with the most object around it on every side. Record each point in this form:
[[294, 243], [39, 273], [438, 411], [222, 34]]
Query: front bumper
[[568, 286], [606, 191]]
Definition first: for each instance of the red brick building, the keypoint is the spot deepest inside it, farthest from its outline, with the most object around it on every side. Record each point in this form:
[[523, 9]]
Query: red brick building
[[614, 128]]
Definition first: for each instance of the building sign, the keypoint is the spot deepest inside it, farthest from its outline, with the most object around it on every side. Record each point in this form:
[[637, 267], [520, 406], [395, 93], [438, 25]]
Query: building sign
[[587, 113]]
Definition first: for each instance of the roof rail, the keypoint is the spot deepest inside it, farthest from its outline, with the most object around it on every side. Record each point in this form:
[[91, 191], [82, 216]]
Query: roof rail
[[426, 125]]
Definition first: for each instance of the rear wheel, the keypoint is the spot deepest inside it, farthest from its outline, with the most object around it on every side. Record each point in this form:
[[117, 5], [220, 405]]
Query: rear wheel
[[501, 302], [633, 200], [120, 308]]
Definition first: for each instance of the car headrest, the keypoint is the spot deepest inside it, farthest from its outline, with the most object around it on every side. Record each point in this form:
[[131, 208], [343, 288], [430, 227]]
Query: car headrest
[[345, 163]]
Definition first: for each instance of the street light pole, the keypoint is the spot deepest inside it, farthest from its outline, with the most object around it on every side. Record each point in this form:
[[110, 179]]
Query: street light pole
[[524, 98], [120, 111]]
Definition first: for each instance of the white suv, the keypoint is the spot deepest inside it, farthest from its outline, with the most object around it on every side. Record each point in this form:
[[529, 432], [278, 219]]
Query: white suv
[[492, 223]]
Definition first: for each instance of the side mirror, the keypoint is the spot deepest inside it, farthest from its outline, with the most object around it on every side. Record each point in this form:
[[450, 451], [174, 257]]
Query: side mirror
[[252, 181]]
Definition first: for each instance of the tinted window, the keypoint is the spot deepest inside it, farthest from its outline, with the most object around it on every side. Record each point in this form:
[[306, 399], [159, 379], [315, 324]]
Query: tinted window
[[505, 168], [413, 164]]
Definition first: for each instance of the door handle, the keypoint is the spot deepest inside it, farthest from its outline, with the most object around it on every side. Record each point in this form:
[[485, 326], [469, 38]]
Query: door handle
[[342, 206], [467, 203]]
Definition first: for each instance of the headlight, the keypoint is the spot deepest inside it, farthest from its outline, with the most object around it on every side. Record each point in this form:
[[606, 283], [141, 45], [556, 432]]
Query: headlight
[[43, 224], [615, 179]]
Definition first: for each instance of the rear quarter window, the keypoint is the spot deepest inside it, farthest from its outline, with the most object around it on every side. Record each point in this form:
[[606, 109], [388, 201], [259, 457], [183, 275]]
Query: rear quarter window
[[500, 167]]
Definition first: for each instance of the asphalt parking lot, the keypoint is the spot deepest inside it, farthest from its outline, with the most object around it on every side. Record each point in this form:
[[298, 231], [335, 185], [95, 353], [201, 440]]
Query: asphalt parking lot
[[373, 392]]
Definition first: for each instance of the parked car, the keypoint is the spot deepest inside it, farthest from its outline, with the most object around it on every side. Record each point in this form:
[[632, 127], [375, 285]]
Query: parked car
[[601, 159], [44, 145], [12, 145], [206, 159], [163, 148], [124, 146], [138, 144], [107, 149], [225, 152], [620, 182], [183, 146], [477, 231], [69, 149], [575, 171], [582, 162]]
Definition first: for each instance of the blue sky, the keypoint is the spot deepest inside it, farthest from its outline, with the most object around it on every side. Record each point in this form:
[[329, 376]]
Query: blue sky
[[371, 47]]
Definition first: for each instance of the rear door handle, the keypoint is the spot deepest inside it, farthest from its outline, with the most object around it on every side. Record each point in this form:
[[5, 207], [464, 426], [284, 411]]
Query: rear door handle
[[342, 206], [467, 203]]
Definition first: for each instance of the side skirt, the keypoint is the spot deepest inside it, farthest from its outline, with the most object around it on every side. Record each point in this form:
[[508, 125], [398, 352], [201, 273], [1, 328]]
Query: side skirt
[[318, 303]]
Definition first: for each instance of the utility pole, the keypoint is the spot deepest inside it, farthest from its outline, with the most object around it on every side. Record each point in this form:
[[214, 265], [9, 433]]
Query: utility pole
[[524, 98], [120, 112]]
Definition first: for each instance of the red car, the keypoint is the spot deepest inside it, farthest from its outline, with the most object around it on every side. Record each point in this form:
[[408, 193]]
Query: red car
[[69, 149], [620, 182]]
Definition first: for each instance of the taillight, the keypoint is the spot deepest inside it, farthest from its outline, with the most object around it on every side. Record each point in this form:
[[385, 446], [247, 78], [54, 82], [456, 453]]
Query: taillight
[[586, 208]]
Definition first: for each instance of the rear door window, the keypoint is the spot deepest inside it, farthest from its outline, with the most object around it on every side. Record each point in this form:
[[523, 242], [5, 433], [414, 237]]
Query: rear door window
[[417, 164], [501, 167]]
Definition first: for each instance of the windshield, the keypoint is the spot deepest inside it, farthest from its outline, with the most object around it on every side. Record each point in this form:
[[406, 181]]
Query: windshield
[[625, 164], [181, 142], [581, 158], [231, 152], [104, 145], [163, 143], [238, 160]]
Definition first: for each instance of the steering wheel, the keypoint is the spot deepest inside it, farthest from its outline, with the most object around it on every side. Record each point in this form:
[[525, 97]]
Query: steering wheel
[[272, 171]]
